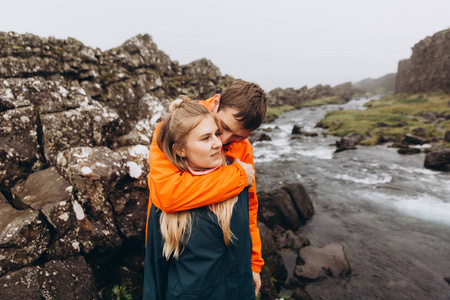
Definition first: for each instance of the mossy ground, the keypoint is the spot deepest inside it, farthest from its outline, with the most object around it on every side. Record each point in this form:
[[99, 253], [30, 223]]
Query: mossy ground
[[393, 117]]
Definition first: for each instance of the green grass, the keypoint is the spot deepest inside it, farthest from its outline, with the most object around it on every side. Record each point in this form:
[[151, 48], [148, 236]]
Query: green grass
[[274, 112], [392, 117], [321, 101]]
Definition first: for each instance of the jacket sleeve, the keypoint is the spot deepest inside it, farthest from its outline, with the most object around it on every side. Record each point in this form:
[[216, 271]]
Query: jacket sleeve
[[172, 190], [257, 260]]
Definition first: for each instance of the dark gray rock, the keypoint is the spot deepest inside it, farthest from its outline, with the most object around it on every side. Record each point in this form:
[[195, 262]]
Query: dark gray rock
[[348, 142], [414, 140], [438, 160], [302, 202], [24, 237], [257, 136], [48, 192], [320, 263], [274, 272], [447, 136], [408, 150], [19, 146], [57, 279], [94, 173]]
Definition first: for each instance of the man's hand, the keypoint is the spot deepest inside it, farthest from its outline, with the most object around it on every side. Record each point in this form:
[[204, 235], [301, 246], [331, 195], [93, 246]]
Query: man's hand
[[248, 170], [257, 281]]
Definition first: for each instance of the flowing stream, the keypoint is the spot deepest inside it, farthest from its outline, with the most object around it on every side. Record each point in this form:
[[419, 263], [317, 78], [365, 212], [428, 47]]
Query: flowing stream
[[391, 214]]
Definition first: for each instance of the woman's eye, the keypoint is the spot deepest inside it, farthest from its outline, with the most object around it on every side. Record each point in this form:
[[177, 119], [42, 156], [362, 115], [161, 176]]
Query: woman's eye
[[205, 138]]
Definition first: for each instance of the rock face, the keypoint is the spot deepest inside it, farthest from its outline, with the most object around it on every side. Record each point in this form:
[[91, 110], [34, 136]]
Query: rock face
[[75, 127], [428, 68]]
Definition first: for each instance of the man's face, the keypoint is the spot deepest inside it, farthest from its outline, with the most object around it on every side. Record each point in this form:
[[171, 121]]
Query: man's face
[[229, 128]]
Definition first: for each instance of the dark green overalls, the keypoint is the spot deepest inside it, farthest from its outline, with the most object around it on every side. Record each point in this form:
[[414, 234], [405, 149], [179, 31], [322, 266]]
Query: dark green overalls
[[207, 268]]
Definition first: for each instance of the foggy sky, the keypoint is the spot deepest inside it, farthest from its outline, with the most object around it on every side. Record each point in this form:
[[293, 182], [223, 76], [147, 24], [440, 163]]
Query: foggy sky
[[279, 43]]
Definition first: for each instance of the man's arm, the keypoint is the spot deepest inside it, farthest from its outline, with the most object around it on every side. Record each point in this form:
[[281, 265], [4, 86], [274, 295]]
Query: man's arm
[[257, 260], [172, 190]]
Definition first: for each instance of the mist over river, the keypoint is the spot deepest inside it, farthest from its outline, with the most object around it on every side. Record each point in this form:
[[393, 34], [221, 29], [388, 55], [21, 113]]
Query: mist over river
[[391, 214]]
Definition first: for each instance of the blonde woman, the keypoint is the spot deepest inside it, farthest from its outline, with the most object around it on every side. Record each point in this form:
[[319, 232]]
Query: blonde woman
[[203, 253]]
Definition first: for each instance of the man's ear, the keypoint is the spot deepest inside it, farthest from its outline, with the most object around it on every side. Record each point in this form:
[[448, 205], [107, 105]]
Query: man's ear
[[215, 104]]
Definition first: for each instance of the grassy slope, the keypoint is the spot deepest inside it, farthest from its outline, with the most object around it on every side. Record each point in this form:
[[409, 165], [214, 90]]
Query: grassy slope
[[392, 117]]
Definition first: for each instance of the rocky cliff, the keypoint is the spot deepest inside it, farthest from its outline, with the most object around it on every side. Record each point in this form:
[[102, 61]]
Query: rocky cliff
[[428, 68], [294, 97], [75, 126]]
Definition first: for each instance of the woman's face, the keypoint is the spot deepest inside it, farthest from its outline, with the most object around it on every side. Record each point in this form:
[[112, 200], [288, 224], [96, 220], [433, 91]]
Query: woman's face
[[203, 146]]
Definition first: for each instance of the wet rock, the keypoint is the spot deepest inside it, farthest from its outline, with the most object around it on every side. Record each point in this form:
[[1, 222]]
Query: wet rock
[[23, 237], [19, 146], [290, 240], [302, 202], [408, 150], [288, 207], [57, 279], [274, 272], [300, 294], [320, 263], [447, 136], [277, 208], [348, 142], [438, 160], [48, 192], [257, 136], [414, 140]]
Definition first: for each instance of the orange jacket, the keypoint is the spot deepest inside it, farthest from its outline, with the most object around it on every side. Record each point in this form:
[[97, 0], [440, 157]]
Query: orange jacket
[[172, 190]]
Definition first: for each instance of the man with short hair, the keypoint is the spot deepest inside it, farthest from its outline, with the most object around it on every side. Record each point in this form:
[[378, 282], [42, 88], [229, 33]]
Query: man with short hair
[[239, 110]]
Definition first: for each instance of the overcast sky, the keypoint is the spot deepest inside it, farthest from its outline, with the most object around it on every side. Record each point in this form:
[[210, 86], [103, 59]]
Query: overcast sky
[[276, 43]]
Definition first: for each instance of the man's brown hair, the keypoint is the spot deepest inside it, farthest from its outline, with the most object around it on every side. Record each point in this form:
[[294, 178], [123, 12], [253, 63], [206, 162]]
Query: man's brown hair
[[250, 101]]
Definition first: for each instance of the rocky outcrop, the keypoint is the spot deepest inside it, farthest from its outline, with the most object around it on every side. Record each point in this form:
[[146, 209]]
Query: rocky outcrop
[[294, 97], [428, 68], [75, 127]]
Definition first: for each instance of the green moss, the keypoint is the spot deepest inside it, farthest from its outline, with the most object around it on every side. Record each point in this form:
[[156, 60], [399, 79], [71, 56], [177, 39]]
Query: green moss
[[16, 47], [275, 112]]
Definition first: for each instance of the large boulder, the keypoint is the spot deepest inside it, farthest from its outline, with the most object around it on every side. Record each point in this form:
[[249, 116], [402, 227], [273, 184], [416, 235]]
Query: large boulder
[[438, 160], [288, 207]]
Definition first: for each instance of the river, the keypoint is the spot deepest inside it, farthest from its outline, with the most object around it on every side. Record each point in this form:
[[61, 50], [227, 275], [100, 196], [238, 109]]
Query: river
[[391, 214]]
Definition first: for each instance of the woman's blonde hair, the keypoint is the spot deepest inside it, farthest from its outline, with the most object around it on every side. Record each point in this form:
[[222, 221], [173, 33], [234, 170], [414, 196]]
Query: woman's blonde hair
[[184, 116]]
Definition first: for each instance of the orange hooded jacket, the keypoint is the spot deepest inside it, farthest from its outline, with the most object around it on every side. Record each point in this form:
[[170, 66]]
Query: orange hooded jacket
[[172, 190]]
